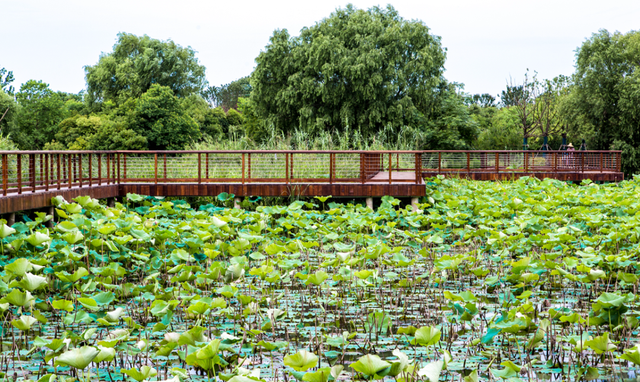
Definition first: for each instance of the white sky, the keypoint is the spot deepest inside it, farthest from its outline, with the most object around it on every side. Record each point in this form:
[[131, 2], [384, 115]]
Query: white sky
[[487, 41]]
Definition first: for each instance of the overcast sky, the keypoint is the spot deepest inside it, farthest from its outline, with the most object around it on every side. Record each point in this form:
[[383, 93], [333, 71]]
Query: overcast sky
[[487, 41]]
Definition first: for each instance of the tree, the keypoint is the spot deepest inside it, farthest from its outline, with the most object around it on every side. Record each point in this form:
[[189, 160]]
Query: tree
[[97, 132], [485, 100], [607, 93], [161, 119], [6, 78], [137, 63], [37, 120], [522, 99], [8, 112], [356, 70], [226, 96], [547, 107]]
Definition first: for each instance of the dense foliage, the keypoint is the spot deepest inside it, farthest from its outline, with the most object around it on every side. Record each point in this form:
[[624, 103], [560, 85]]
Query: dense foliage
[[357, 79], [607, 93], [516, 281], [355, 69], [137, 63]]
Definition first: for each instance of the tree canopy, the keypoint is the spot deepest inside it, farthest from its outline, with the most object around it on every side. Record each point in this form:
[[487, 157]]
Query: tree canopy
[[137, 63], [355, 69], [607, 92]]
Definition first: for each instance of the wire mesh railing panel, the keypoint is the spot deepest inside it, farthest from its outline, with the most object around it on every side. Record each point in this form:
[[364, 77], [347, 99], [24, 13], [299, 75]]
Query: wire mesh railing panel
[[267, 166], [310, 167], [453, 161], [222, 167], [347, 166], [430, 161], [143, 167]]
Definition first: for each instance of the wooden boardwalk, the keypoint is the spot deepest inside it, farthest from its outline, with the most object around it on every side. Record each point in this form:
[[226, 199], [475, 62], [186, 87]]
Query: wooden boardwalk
[[29, 179]]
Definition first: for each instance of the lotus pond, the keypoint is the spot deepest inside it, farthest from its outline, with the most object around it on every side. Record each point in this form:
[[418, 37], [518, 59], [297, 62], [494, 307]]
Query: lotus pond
[[527, 280]]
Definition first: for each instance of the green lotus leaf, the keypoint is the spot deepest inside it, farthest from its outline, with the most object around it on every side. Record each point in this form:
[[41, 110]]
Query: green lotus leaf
[[632, 355], [78, 358], [19, 298], [37, 239], [426, 336], [608, 300], [30, 282], [431, 372], [370, 365], [192, 336], [73, 237], [106, 354], [301, 361], [209, 351], [142, 374], [320, 375], [601, 344], [5, 231], [24, 322], [19, 267], [66, 226], [72, 278], [62, 305]]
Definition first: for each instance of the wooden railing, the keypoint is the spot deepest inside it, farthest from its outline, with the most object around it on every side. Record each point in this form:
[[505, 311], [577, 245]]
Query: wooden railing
[[443, 162], [30, 171]]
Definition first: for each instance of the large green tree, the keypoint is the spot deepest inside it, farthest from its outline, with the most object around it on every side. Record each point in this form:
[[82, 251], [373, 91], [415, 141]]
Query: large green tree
[[163, 121], [41, 109], [137, 63], [354, 70], [607, 93]]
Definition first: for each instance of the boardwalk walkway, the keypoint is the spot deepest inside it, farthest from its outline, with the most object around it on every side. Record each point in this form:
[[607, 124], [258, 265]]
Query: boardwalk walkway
[[29, 179]]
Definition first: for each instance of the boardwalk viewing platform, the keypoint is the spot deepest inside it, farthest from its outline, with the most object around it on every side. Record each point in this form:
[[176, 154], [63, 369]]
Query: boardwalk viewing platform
[[29, 179]]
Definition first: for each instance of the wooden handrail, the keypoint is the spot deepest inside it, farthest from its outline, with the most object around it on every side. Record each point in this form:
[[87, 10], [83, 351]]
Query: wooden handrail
[[24, 171]]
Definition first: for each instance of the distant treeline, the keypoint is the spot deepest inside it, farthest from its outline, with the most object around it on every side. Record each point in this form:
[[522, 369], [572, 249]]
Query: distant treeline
[[358, 79]]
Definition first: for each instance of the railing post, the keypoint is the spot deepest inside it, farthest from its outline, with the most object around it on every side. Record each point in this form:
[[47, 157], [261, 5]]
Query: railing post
[[582, 157], [118, 176], [59, 172], [155, 168], [99, 169], [46, 172], [390, 165], [90, 172], [80, 169], [42, 168], [19, 168], [362, 168], [243, 168], [70, 164], [439, 162], [468, 162], [206, 167], [124, 174], [526, 162], [32, 171], [601, 163], [497, 163], [331, 168], [108, 168], [286, 167], [199, 168], [291, 165], [5, 174], [418, 168]]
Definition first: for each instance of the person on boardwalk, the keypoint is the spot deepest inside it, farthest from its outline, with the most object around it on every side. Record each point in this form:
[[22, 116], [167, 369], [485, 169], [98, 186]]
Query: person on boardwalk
[[569, 159]]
